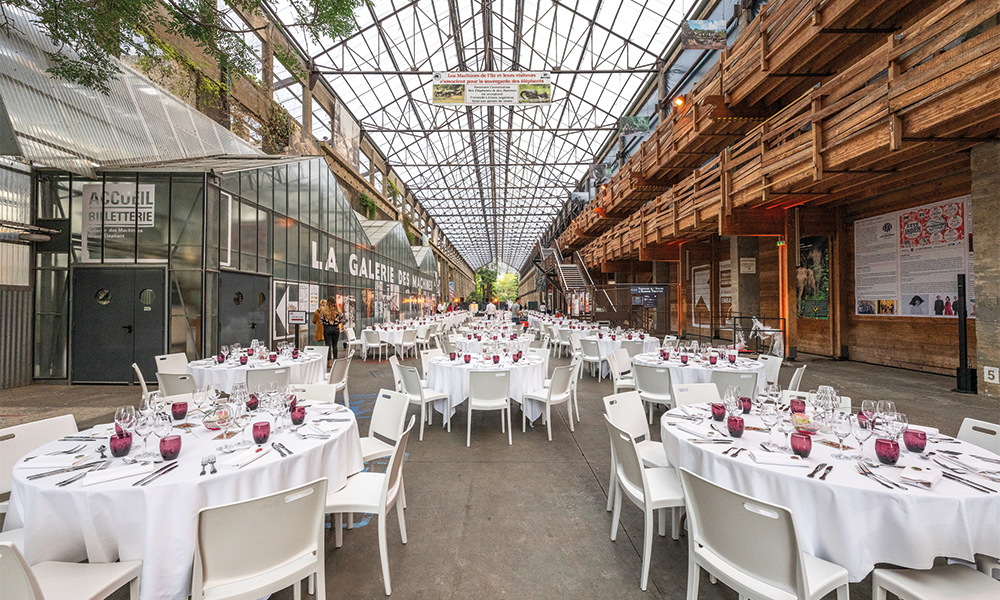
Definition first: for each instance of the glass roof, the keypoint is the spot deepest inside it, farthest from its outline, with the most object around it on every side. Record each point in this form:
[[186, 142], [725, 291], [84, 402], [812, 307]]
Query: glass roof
[[493, 178]]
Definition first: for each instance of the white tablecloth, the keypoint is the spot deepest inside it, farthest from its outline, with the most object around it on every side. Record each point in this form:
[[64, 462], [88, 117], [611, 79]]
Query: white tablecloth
[[848, 519], [307, 368], [696, 372], [156, 523], [474, 346], [452, 378]]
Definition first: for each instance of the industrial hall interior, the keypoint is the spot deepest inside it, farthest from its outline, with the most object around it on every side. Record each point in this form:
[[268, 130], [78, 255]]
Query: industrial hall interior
[[275, 275]]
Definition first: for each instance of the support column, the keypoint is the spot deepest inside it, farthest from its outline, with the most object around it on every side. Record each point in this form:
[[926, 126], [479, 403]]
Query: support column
[[986, 227], [746, 286]]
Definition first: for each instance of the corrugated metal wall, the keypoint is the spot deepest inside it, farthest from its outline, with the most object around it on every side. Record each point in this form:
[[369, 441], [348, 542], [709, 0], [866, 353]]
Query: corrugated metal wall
[[15, 337]]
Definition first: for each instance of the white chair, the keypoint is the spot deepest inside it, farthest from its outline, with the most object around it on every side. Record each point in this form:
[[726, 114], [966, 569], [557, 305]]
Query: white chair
[[375, 493], [489, 390], [18, 440], [64, 580], [352, 340], [172, 384], [292, 522], [944, 582], [446, 345], [726, 534], [621, 381], [653, 385], [425, 360], [772, 367], [418, 394], [388, 417], [989, 565], [172, 363], [648, 488], [409, 343], [371, 342], [591, 353], [626, 413], [575, 345], [338, 377], [686, 394], [266, 375], [558, 392], [542, 353], [565, 340], [796, 381], [981, 433], [633, 347], [316, 392], [669, 338], [394, 365], [324, 351], [577, 364], [746, 382]]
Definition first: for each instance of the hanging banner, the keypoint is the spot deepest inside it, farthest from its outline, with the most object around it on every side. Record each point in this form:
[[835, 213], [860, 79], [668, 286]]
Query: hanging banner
[[703, 35], [451, 87], [907, 262]]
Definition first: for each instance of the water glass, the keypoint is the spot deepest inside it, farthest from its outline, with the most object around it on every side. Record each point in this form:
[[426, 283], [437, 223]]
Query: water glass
[[887, 451], [120, 444], [915, 440], [841, 426], [861, 428], [170, 447], [801, 444]]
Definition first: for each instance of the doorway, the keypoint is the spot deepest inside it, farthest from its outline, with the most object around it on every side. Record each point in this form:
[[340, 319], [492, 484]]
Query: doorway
[[244, 305], [119, 318]]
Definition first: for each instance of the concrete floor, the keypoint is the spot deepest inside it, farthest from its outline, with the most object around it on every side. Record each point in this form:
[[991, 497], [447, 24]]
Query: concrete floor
[[527, 520]]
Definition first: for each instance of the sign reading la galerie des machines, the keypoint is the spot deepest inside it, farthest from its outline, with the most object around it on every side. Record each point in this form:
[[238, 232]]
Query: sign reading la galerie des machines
[[485, 88], [116, 213]]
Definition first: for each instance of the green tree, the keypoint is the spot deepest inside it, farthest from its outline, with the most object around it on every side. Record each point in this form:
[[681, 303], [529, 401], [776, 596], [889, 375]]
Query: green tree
[[506, 287], [485, 279], [97, 30]]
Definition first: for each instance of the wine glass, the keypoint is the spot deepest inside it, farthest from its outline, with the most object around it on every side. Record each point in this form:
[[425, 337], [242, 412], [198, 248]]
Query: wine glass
[[774, 392], [242, 419], [732, 401], [841, 426], [224, 351], [162, 426], [897, 425], [769, 416], [759, 398], [786, 426], [883, 408], [144, 425], [125, 417], [861, 429]]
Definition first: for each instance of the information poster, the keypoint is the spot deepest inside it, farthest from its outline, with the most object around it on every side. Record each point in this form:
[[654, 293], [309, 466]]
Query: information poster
[[907, 262], [313, 297], [726, 291], [457, 87], [115, 214], [701, 297], [813, 278]]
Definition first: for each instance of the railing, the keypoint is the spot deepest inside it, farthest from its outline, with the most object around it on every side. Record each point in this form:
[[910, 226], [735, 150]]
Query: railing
[[600, 300], [653, 320]]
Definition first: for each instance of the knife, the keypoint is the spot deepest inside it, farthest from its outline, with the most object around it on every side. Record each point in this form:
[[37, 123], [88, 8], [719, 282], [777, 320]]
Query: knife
[[825, 473], [872, 477], [971, 484], [278, 448], [153, 474], [286, 448], [160, 473], [816, 470], [80, 476], [64, 470]]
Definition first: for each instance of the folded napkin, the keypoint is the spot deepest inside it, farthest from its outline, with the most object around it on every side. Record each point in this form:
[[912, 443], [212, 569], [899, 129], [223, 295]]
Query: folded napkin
[[59, 460], [700, 432], [784, 460], [921, 477], [120, 472], [242, 459]]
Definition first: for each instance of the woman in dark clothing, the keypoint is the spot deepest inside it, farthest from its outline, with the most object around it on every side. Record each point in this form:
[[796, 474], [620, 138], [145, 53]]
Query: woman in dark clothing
[[332, 321]]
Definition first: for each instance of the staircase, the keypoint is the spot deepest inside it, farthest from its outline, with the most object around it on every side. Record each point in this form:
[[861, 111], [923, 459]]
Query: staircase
[[571, 278]]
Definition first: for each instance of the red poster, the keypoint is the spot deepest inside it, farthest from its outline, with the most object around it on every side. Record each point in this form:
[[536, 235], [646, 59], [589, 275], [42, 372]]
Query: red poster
[[931, 226]]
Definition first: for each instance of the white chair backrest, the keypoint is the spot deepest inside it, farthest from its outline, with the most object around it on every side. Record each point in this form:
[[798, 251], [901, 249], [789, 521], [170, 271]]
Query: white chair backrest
[[291, 521], [340, 370], [735, 527], [542, 353], [565, 337], [560, 383], [18, 440], [390, 487], [772, 367], [489, 385], [411, 382], [574, 340], [747, 382], [394, 364], [316, 392], [350, 334], [624, 361], [528, 337], [409, 337], [172, 384], [446, 345], [256, 377], [984, 434], [591, 349], [625, 412], [426, 356], [172, 363], [695, 393], [322, 350], [650, 379], [633, 347], [370, 337], [797, 378], [631, 475], [388, 415], [18, 581]]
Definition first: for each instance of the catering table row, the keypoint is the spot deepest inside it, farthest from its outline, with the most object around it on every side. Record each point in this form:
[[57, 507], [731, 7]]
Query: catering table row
[[847, 518], [112, 519], [309, 367]]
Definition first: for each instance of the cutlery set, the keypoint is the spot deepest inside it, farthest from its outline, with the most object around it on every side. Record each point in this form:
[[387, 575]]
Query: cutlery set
[[208, 461], [157, 474], [282, 449]]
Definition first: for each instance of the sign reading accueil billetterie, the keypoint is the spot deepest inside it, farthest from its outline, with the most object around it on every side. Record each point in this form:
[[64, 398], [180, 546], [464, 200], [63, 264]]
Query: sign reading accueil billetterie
[[116, 213], [463, 87]]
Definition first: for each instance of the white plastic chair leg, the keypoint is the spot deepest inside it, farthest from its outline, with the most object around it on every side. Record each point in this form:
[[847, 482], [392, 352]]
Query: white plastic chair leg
[[548, 421], [423, 417], [402, 521], [616, 513], [347, 397], [647, 548], [675, 518], [510, 437], [569, 413], [694, 572], [297, 590], [338, 534], [133, 589], [662, 519], [383, 551], [468, 427]]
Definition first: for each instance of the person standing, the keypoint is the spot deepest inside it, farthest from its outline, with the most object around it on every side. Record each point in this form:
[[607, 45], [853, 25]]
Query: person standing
[[491, 310], [318, 335], [939, 307], [948, 311], [541, 308], [332, 321], [515, 310]]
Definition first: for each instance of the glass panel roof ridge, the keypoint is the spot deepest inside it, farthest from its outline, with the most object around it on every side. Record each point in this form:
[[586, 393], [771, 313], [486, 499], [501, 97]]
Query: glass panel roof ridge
[[509, 169]]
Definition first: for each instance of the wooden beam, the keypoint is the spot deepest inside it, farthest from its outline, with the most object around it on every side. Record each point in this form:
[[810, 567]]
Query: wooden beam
[[752, 222], [626, 266], [660, 252]]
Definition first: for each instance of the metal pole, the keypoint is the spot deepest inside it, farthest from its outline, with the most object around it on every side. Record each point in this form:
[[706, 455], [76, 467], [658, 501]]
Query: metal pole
[[966, 378]]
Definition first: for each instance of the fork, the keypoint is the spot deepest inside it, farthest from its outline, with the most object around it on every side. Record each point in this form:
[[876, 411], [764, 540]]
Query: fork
[[80, 476], [862, 466], [211, 462], [58, 452]]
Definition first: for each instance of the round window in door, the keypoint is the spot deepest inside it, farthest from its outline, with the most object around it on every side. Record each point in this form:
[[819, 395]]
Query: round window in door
[[103, 296], [147, 297], [238, 298]]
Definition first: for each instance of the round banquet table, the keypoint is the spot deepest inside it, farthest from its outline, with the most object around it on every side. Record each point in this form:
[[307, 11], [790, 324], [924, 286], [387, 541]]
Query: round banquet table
[[452, 377], [309, 367], [155, 523], [849, 519], [700, 372], [466, 345]]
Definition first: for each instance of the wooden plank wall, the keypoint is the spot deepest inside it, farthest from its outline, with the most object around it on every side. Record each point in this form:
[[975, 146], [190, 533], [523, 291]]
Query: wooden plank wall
[[767, 267]]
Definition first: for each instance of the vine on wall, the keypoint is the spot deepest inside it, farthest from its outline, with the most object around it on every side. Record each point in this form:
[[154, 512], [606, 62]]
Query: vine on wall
[[368, 205]]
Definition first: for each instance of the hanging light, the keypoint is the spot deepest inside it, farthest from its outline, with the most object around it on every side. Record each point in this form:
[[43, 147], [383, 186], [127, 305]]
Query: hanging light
[[679, 102]]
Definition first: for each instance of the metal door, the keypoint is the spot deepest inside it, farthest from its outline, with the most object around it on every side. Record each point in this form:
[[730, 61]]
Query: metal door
[[118, 319], [244, 304]]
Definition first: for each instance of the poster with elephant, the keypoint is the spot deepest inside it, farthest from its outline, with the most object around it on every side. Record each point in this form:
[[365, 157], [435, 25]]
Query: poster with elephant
[[492, 87], [813, 278]]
